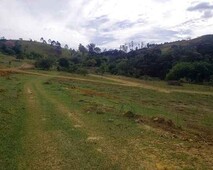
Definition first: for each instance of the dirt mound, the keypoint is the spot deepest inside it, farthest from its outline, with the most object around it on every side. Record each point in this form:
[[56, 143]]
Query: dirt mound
[[157, 122]]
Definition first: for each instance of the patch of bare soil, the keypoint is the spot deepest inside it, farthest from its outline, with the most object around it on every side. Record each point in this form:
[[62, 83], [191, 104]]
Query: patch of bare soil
[[92, 107], [5, 73], [168, 125], [94, 139], [93, 93], [174, 141], [158, 122], [151, 87], [26, 66]]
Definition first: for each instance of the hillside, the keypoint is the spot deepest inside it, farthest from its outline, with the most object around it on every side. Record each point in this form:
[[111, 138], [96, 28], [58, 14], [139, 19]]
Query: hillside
[[30, 48], [191, 60]]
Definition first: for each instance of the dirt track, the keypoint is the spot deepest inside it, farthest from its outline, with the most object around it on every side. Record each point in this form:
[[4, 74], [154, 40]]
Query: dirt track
[[44, 146], [44, 153], [115, 81]]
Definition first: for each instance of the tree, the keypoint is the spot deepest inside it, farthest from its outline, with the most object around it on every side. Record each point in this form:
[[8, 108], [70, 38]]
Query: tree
[[44, 64], [193, 72], [49, 41], [42, 39], [91, 63], [124, 48], [82, 71], [53, 43], [66, 46], [18, 49], [63, 62], [91, 47], [82, 49], [102, 69], [58, 44], [97, 50], [2, 38]]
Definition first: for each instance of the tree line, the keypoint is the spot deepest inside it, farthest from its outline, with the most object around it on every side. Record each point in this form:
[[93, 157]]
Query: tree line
[[189, 60]]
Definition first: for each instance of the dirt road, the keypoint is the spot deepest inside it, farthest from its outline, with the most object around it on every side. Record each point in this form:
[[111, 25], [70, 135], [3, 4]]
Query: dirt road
[[114, 81]]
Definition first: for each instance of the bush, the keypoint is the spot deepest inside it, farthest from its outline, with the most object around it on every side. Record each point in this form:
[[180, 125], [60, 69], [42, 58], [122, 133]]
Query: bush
[[35, 56], [63, 62], [193, 72], [44, 64], [82, 71]]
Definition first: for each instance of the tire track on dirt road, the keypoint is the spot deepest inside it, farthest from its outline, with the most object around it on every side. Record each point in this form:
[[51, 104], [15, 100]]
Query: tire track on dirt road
[[115, 81], [150, 87], [76, 123], [40, 151], [129, 156]]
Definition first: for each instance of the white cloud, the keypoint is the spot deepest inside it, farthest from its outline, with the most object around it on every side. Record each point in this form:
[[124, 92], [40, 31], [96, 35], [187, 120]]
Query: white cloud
[[107, 23]]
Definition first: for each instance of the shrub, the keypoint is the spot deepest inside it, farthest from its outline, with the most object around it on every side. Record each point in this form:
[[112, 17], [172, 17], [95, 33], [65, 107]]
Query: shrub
[[82, 71], [193, 72], [44, 64]]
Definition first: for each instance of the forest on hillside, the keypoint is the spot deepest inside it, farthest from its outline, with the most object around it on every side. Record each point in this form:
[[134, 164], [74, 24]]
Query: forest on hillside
[[187, 60]]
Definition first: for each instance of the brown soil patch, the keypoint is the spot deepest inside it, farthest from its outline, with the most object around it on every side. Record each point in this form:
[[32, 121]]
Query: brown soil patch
[[94, 138], [5, 73], [77, 126], [97, 108], [92, 93], [158, 122], [27, 66]]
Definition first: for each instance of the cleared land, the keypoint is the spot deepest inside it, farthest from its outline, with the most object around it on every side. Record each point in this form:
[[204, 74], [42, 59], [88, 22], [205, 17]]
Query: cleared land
[[53, 120]]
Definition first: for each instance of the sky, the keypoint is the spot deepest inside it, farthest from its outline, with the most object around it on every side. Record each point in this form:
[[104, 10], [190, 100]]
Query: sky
[[107, 23]]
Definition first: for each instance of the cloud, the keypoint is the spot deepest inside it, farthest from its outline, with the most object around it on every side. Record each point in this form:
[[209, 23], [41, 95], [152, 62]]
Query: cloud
[[159, 35], [102, 40], [106, 23], [203, 6], [207, 14], [97, 22], [124, 24]]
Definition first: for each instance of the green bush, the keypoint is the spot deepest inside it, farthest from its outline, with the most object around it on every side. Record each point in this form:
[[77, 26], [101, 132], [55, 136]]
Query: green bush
[[44, 64], [192, 72], [82, 71]]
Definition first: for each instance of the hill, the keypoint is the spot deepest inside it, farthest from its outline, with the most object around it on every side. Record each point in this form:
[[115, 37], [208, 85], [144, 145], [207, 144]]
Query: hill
[[191, 60]]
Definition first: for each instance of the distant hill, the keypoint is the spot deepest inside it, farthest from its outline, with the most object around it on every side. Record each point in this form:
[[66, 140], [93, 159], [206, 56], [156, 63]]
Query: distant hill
[[32, 49], [191, 60]]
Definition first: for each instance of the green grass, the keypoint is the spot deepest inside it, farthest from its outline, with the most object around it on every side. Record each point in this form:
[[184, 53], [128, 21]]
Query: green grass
[[11, 62], [78, 124], [45, 50], [145, 102], [12, 116], [71, 142]]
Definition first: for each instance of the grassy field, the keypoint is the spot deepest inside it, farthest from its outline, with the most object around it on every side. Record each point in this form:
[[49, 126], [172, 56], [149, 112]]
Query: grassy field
[[52, 120], [11, 62]]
